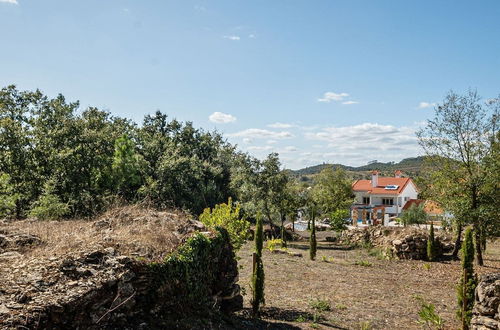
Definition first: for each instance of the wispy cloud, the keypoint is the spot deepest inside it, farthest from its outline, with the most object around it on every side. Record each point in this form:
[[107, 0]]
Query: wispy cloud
[[14, 2], [257, 133], [221, 118], [281, 125], [232, 37], [252, 36], [350, 102], [423, 105], [331, 96]]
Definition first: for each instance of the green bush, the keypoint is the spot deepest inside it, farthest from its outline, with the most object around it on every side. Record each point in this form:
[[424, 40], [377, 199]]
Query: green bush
[[428, 316], [274, 244], [7, 197], [468, 281], [320, 305], [227, 216], [414, 215], [49, 206], [337, 219]]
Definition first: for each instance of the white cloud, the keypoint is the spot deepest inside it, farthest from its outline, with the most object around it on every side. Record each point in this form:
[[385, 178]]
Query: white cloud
[[232, 37], [252, 36], [260, 148], [291, 148], [271, 141], [14, 2], [257, 133], [281, 125], [350, 102], [221, 118], [423, 105], [331, 96], [247, 140]]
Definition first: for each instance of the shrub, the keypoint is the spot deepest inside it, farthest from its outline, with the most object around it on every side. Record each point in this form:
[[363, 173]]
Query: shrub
[[414, 215], [320, 305], [49, 206], [7, 197], [428, 316], [274, 244], [337, 220], [312, 242], [228, 217], [431, 245], [468, 281], [258, 272]]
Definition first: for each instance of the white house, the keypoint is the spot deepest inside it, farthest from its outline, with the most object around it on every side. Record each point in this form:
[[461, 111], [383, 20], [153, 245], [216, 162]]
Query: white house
[[380, 196]]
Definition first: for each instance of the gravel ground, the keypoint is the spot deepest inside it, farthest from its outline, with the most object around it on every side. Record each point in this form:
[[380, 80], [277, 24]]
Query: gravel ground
[[361, 291]]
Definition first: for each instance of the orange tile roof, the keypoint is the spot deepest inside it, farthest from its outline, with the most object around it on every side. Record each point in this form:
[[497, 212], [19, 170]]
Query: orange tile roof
[[366, 185], [430, 207]]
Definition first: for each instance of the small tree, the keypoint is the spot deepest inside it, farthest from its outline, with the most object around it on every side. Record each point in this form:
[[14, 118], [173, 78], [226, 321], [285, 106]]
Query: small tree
[[337, 220], [126, 167], [312, 240], [227, 216], [49, 206], [467, 284], [414, 215], [258, 271], [7, 197], [431, 245]]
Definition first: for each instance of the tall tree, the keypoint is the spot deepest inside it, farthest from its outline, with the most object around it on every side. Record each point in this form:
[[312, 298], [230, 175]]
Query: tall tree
[[332, 190], [458, 140]]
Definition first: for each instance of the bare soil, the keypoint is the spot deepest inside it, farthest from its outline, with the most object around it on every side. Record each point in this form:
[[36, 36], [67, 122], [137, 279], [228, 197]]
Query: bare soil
[[362, 290]]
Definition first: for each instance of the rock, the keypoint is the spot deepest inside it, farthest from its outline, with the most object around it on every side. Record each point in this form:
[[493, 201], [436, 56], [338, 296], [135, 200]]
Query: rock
[[10, 255], [397, 242], [486, 312]]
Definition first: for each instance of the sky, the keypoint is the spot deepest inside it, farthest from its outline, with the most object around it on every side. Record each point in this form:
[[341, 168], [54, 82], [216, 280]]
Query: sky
[[321, 81]]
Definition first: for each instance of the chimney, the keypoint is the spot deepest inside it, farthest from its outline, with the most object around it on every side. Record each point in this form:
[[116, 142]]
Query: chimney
[[374, 178], [397, 174]]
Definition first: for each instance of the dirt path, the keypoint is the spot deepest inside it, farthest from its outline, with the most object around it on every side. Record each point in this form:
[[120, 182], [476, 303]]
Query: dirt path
[[360, 289]]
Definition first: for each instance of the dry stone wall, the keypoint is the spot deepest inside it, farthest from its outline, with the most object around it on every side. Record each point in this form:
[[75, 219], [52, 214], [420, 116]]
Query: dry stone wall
[[486, 312]]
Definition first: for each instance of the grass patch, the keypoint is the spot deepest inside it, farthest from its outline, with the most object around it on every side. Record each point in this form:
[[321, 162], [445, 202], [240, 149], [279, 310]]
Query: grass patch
[[340, 306], [364, 263], [320, 305]]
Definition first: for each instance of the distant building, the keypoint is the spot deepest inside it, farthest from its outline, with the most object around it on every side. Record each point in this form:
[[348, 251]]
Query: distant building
[[381, 197]]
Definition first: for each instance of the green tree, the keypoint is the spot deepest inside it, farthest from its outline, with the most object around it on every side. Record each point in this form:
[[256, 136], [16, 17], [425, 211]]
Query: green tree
[[49, 206], [312, 239], [431, 245], [7, 197], [332, 190], [126, 167], [468, 281], [414, 215], [258, 271], [227, 216], [458, 141], [337, 220]]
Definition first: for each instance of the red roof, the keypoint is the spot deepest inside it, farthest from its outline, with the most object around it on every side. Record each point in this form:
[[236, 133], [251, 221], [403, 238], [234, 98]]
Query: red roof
[[366, 185], [430, 207]]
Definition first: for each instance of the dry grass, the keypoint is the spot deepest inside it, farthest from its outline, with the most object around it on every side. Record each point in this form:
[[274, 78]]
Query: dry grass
[[132, 230], [381, 296]]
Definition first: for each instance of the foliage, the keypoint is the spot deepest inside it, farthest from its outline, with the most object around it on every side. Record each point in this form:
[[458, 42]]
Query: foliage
[[337, 220], [312, 242], [428, 316], [332, 190], [49, 206], [364, 263], [460, 146], [320, 305], [274, 244], [468, 281], [258, 272], [7, 197], [126, 167], [227, 216], [192, 262], [415, 214], [431, 245]]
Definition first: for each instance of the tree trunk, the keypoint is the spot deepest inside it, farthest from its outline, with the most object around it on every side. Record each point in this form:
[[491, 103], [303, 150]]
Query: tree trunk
[[458, 241], [477, 243]]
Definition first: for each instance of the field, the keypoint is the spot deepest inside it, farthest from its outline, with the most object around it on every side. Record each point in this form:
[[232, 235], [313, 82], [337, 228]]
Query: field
[[354, 288]]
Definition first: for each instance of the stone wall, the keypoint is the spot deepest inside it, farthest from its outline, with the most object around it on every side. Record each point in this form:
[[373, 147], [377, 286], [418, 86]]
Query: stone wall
[[486, 312], [398, 242], [101, 289]]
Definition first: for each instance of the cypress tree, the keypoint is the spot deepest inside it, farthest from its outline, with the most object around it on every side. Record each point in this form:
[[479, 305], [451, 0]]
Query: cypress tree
[[258, 271], [431, 245], [312, 241], [467, 284]]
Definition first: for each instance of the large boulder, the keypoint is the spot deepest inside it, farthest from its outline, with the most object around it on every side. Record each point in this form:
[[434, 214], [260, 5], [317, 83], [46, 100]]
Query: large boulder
[[486, 312]]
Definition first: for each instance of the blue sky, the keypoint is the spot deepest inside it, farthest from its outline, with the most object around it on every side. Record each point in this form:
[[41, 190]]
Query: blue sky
[[317, 81]]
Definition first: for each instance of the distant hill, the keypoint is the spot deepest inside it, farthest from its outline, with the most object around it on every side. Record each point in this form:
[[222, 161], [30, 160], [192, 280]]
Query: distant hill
[[409, 167]]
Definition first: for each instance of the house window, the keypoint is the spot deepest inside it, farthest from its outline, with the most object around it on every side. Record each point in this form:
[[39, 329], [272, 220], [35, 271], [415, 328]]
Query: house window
[[366, 200], [387, 201]]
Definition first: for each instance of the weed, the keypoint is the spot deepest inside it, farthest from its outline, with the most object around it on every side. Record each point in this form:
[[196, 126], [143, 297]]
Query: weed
[[314, 325], [301, 319], [428, 316], [365, 325], [274, 244], [320, 305], [427, 266], [340, 306], [363, 263], [324, 258]]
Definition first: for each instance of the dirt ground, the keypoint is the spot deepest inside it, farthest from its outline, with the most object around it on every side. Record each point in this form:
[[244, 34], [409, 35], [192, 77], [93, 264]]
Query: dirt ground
[[354, 289]]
